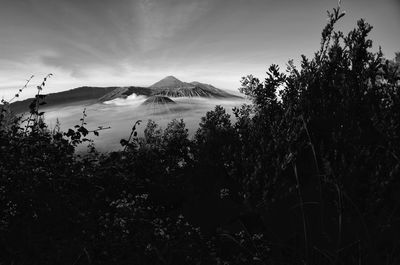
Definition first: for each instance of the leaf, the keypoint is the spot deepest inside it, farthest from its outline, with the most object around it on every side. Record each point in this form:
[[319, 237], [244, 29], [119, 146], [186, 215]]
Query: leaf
[[83, 130], [77, 135], [32, 106], [96, 133], [70, 132], [123, 142]]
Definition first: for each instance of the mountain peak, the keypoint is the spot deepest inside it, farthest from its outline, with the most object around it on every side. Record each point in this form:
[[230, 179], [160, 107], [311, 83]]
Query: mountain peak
[[171, 77], [169, 81]]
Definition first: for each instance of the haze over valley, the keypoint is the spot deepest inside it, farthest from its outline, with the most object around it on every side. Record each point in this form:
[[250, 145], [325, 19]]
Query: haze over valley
[[120, 107]]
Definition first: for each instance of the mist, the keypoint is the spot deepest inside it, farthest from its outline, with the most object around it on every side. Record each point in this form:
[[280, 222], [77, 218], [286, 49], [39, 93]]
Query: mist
[[121, 114]]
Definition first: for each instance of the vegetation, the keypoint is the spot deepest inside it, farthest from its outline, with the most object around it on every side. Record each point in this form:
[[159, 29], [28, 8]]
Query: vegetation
[[306, 174]]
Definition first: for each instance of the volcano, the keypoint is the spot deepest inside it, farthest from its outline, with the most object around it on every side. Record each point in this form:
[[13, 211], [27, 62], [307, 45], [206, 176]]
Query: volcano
[[167, 88], [158, 100], [169, 82], [172, 87]]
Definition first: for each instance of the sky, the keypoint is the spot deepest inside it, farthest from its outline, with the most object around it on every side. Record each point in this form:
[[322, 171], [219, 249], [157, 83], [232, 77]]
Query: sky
[[138, 42]]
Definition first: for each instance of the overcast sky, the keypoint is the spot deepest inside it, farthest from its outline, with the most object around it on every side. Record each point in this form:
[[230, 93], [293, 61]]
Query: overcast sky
[[138, 42]]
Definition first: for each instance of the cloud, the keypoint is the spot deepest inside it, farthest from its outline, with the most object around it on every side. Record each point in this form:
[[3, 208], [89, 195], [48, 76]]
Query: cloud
[[131, 100], [137, 42], [161, 20]]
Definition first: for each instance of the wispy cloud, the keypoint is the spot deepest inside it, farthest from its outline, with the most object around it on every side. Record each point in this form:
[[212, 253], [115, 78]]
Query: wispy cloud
[[136, 42], [160, 20]]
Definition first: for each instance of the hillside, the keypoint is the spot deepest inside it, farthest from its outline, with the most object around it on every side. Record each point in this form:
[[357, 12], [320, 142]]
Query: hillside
[[124, 92], [158, 100], [172, 87], [169, 82], [169, 86], [65, 97]]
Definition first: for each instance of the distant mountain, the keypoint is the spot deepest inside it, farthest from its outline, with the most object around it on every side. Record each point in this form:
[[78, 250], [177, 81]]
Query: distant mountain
[[65, 97], [213, 90], [167, 87], [172, 87], [124, 92], [187, 91], [158, 100], [157, 104], [169, 82]]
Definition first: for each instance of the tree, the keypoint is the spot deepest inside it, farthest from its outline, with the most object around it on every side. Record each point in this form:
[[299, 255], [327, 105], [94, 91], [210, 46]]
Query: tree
[[334, 141]]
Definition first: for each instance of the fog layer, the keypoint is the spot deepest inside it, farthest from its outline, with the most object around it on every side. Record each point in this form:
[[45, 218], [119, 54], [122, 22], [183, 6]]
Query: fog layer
[[121, 114]]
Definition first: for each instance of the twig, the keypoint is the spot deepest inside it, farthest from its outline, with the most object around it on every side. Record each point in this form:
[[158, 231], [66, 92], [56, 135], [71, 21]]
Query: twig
[[20, 90], [339, 240], [322, 206], [35, 111], [302, 209], [132, 133]]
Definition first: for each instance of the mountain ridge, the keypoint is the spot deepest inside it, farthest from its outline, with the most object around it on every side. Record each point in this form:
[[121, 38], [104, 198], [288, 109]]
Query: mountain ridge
[[74, 95], [168, 81], [169, 86], [172, 87]]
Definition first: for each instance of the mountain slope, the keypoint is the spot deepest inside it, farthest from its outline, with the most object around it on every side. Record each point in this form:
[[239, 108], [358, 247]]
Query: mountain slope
[[169, 86], [216, 92], [124, 92], [158, 100], [172, 87], [155, 105], [188, 91], [65, 97], [169, 82]]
